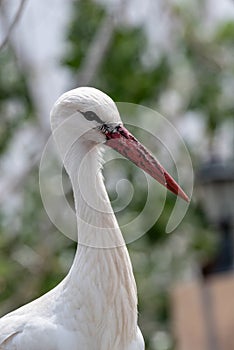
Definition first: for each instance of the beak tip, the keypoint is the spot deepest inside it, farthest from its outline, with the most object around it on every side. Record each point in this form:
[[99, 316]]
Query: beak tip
[[187, 199], [183, 195], [173, 186]]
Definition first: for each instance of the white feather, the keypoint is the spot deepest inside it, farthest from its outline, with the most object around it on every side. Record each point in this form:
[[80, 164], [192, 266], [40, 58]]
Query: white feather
[[95, 306]]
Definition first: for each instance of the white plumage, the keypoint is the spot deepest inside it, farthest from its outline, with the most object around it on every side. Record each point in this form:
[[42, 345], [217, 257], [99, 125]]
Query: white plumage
[[95, 306]]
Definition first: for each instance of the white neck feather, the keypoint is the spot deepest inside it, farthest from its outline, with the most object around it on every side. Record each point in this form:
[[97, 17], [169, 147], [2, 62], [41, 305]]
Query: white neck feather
[[101, 276]]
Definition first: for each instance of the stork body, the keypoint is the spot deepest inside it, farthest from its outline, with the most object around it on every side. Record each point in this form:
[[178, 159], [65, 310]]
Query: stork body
[[95, 306]]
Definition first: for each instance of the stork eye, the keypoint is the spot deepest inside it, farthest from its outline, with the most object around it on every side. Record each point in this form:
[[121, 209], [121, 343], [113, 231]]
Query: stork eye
[[90, 116]]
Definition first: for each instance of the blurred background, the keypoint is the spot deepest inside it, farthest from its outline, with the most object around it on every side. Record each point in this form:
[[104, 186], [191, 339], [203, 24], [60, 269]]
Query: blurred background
[[174, 56]]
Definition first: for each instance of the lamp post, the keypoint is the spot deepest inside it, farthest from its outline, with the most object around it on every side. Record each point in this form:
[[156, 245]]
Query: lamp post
[[216, 183]]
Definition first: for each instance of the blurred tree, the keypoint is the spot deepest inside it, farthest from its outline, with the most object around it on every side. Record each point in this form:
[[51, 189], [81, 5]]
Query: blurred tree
[[121, 71], [199, 67], [207, 53], [13, 96]]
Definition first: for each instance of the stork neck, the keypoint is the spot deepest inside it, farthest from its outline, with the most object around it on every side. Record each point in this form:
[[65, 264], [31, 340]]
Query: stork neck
[[101, 277], [96, 222]]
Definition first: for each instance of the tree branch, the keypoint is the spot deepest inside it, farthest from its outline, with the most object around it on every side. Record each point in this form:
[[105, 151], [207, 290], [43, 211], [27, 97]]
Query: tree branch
[[13, 23], [99, 46], [96, 52]]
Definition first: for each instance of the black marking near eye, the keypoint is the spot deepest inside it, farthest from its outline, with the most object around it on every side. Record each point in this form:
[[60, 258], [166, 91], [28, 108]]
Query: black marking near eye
[[90, 116]]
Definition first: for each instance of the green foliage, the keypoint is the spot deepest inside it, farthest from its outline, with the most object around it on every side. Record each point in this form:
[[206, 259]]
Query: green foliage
[[13, 92], [31, 249], [210, 59], [86, 19], [225, 33], [122, 72]]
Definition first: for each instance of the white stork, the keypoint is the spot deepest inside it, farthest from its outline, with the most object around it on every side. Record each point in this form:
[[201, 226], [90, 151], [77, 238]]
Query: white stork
[[95, 306]]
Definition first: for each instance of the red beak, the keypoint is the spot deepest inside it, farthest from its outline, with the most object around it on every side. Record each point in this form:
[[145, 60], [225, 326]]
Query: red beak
[[126, 144]]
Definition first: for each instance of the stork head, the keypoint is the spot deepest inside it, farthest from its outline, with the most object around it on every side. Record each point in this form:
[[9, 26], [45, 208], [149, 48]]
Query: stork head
[[99, 122], [90, 109]]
